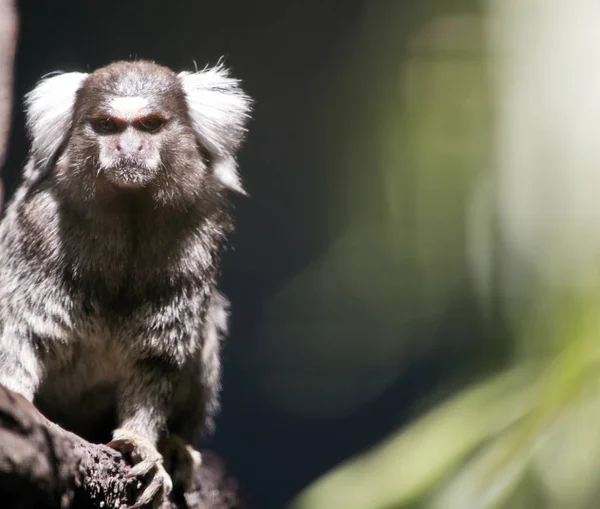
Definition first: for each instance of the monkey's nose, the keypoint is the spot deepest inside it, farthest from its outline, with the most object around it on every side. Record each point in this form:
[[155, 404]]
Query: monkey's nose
[[129, 148]]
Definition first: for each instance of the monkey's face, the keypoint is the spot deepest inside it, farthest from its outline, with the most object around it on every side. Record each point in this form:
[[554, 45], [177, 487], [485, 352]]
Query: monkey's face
[[132, 132], [138, 127], [129, 136], [140, 141]]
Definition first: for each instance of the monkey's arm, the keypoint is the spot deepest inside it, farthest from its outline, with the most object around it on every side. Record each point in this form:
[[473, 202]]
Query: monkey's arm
[[164, 339], [30, 322], [35, 309], [196, 401], [21, 369], [143, 402]]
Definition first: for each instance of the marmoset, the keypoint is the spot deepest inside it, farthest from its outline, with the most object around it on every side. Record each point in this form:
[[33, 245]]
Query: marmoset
[[110, 314]]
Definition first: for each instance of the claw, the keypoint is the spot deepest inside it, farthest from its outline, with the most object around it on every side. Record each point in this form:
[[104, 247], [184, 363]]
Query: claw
[[180, 460], [158, 488], [147, 466]]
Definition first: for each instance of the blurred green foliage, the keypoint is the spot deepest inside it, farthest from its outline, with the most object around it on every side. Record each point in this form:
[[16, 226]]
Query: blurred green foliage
[[485, 184], [525, 438]]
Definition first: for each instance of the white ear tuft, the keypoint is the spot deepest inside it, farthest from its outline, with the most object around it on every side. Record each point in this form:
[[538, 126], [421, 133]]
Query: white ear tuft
[[225, 169], [49, 112], [219, 110]]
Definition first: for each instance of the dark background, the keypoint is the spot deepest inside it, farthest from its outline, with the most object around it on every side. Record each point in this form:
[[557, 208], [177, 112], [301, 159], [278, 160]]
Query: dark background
[[287, 54]]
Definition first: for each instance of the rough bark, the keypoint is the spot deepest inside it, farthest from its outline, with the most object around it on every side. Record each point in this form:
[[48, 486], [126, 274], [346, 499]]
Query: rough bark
[[44, 466]]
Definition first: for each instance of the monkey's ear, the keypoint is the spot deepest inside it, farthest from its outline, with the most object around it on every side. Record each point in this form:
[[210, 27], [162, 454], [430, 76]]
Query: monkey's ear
[[219, 110], [49, 112]]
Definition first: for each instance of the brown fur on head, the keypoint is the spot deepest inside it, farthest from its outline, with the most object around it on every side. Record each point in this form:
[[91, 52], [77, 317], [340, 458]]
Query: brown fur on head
[[139, 128]]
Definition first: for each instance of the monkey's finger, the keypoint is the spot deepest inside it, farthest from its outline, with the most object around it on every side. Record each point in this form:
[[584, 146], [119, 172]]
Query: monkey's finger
[[157, 490], [143, 468], [137, 450], [122, 445], [151, 495]]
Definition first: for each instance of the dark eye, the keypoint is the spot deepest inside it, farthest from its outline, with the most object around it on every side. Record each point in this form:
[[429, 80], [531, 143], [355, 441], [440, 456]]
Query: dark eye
[[105, 125], [151, 124]]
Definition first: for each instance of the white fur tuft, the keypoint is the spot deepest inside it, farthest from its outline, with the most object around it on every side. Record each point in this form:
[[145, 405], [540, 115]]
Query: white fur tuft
[[219, 110], [225, 169], [49, 111]]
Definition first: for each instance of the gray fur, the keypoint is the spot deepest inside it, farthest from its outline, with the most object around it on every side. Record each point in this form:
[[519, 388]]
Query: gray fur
[[109, 311]]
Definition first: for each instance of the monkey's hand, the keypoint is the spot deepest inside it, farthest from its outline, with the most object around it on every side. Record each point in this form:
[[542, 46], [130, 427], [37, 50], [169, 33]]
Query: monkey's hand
[[147, 467], [180, 459]]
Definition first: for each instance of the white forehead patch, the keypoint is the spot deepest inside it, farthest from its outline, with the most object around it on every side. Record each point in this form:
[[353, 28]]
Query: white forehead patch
[[128, 107]]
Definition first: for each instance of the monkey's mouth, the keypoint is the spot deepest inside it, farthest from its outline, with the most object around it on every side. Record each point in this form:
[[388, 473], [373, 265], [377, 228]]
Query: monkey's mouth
[[128, 175]]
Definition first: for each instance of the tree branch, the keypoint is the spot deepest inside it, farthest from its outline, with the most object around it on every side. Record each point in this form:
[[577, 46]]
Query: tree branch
[[45, 466]]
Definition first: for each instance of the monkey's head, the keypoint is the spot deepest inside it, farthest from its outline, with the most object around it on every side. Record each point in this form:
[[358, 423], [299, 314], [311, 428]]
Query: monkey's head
[[138, 127]]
